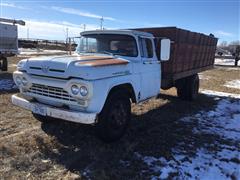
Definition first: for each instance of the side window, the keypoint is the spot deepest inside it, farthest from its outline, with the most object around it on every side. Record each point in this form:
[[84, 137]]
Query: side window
[[146, 47], [149, 48]]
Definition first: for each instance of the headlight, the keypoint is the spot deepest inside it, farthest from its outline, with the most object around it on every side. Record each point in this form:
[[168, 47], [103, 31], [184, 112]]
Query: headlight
[[24, 81], [83, 91], [18, 80], [75, 89]]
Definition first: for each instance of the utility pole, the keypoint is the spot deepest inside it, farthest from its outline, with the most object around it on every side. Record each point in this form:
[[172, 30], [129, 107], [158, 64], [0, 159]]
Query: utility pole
[[101, 23], [67, 34], [84, 27], [28, 33]]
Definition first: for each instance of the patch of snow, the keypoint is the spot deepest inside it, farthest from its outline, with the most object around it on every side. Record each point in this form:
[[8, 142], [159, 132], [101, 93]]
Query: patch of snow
[[203, 166], [32, 52], [7, 84], [165, 171], [222, 122], [233, 84], [158, 165], [225, 62], [219, 94]]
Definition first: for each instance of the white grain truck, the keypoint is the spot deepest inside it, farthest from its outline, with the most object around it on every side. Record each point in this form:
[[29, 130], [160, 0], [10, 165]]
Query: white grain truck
[[8, 40], [110, 70]]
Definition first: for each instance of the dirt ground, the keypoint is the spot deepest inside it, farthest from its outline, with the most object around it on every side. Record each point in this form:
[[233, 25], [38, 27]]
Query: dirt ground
[[63, 150]]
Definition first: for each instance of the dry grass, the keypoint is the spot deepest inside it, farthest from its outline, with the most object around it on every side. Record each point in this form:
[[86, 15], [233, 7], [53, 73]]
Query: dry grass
[[216, 78], [63, 150]]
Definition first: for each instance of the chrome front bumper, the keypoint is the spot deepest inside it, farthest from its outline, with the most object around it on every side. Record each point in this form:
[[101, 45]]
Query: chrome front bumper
[[45, 110]]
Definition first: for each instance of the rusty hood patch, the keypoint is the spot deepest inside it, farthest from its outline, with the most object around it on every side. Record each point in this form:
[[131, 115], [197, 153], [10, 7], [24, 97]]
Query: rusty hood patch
[[104, 62], [96, 61]]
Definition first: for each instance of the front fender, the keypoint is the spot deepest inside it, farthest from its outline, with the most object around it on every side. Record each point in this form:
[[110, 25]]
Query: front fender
[[101, 89]]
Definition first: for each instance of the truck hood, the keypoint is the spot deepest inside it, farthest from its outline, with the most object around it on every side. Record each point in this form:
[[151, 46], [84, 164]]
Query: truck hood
[[85, 67]]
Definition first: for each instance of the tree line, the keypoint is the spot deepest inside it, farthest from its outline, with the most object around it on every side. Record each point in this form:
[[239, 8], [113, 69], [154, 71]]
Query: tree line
[[230, 47]]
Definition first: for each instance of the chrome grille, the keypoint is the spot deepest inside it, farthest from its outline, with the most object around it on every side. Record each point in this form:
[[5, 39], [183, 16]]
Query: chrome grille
[[50, 91]]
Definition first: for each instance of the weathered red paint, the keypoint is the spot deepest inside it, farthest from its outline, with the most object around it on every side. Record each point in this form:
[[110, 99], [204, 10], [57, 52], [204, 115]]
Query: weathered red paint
[[106, 62], [101, 61]]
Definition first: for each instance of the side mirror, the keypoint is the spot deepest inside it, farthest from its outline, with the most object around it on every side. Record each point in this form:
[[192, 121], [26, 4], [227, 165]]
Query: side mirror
[[165, 49]]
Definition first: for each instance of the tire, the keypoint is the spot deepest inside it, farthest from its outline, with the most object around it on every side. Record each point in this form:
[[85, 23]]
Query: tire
[[4, 64], [181, 89], [193, 88], [188, 88], [43, 119], [114, 117]]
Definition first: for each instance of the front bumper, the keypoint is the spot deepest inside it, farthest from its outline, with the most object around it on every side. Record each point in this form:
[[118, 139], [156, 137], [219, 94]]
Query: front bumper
[[45, 110]]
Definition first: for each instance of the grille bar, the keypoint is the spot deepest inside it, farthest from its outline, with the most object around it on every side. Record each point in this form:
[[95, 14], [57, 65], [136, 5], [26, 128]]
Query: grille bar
[[52, 70], [50, 91]]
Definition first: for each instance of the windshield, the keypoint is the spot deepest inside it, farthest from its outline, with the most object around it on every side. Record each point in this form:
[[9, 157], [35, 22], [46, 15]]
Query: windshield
[[113, 44]]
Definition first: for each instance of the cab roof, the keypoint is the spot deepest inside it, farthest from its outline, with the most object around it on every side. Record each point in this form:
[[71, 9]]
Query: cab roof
[[123, 31]]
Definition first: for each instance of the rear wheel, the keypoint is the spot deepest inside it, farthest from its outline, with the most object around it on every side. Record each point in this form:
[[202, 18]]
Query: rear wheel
[[114, 118], [188, 88]]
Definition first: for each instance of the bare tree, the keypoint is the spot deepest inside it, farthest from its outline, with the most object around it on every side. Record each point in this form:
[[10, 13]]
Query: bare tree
[[235, 43], [223, 44]]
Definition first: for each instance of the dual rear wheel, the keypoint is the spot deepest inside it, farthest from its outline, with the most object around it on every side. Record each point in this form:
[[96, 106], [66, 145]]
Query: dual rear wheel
[[188, 88]]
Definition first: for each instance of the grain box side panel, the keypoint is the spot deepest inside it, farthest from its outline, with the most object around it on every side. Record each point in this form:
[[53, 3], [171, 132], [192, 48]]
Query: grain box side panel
[[191, 52]]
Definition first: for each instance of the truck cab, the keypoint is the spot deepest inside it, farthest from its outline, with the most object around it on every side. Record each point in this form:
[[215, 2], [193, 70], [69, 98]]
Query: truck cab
[[142, 69], [109, 70]]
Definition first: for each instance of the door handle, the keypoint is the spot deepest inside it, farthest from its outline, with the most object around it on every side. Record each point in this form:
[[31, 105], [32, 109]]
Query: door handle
[[151, 62], [147, 62]]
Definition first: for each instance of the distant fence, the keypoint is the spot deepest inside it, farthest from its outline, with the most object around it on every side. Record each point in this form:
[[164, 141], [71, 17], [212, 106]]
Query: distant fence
[[45, 44]]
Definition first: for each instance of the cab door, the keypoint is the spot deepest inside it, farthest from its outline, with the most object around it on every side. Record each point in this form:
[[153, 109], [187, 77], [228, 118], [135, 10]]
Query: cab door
[[150, 69]]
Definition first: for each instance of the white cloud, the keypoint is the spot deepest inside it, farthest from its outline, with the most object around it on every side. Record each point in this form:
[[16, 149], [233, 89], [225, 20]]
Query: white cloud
[[223, 33], [52, 30], [11, 5], [7, 5], [80, 13]]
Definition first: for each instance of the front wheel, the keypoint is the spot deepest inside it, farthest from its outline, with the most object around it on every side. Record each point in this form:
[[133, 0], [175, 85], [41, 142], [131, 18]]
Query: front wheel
[[114, 118]]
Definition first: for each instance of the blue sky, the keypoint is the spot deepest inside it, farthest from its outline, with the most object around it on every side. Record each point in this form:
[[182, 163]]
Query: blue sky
[[49, 19]]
